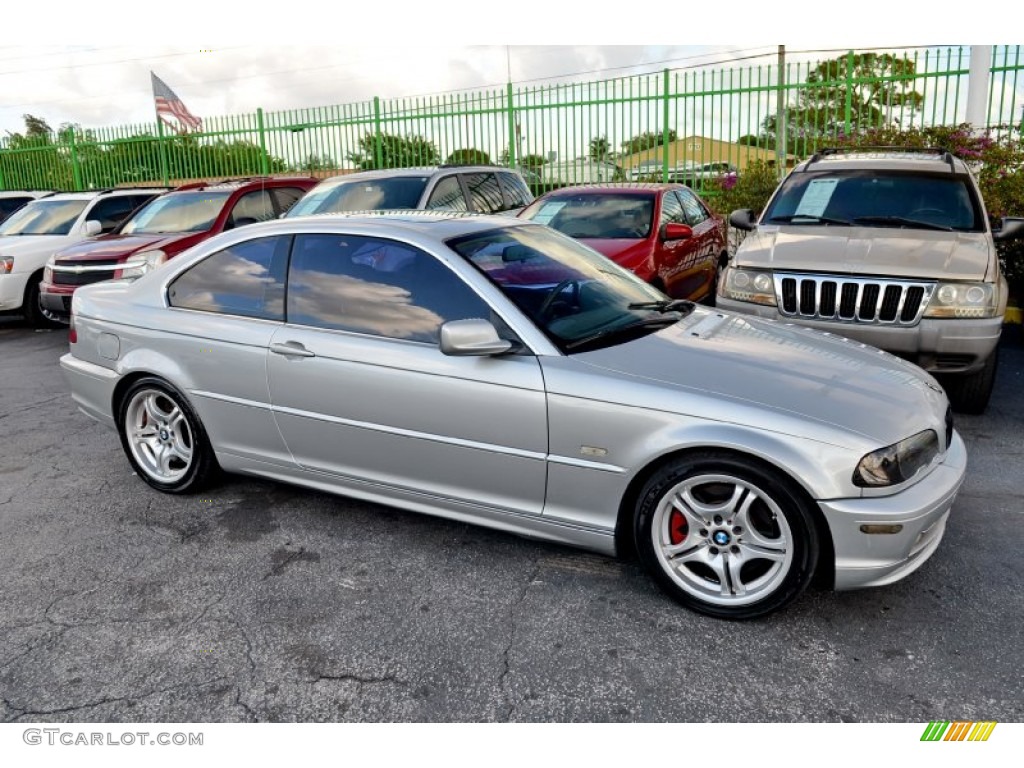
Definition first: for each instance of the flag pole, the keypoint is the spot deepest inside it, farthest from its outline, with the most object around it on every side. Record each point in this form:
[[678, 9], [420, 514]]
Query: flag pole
[[161, 146]]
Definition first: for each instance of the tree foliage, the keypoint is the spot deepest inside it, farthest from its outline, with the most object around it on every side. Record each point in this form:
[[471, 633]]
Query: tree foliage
[[599, 148], [647, 140], [881, 91], [396, 152], [468, 157]]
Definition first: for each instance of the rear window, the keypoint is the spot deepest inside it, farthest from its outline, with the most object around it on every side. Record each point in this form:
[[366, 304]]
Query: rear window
[[878, 199], [364, 195], [611, 216]]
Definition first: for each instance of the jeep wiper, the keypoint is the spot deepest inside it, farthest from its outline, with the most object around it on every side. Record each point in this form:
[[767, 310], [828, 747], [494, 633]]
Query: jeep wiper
[[802, 218], [901, 222], [684, 306]]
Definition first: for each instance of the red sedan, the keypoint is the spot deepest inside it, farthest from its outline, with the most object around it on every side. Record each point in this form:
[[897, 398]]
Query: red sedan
[[663, 233]]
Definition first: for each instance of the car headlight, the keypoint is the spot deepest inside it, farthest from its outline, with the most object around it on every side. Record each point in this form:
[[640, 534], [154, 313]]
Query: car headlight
[[751, 285], [963, 300], [6, 265], [897, 463], [141, 263], [48, 269]]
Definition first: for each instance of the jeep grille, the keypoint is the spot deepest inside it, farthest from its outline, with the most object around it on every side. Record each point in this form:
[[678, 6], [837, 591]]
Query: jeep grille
[[852, 300]]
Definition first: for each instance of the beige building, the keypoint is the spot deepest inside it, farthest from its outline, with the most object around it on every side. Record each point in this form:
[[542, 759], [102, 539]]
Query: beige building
[[695, 151]]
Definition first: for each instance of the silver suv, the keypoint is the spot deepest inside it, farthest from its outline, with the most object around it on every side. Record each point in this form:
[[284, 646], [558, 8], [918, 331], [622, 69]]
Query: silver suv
[[890, 247], [473, 188]]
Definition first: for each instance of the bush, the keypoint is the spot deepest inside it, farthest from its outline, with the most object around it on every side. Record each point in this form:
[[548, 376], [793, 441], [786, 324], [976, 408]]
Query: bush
[[750, 188]]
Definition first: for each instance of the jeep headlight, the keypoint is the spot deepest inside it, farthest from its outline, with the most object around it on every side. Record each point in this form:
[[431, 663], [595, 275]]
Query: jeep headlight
[[963, 300], [897, 463], [756, 286], [141, 263]]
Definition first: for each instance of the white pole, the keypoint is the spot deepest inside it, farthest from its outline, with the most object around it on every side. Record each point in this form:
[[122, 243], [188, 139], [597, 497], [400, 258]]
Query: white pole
[[977, 86]]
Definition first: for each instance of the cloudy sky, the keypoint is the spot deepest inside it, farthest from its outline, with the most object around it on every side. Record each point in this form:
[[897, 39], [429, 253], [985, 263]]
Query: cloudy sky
[[93, 68]]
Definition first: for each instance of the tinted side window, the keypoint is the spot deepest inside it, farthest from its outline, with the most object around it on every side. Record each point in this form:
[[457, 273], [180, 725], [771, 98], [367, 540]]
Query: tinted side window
[[671, 210], [516, 191], [447, 196], [111, 211], [484, 192], [245, 279], [287, 197], [375, 286], [694, 211], [250, 208], [9, 205]]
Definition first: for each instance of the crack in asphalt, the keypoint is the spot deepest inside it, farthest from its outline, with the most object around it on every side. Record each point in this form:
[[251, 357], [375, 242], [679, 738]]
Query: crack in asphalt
[[23, 712], [349, 677], [32, 406], [511, 705]]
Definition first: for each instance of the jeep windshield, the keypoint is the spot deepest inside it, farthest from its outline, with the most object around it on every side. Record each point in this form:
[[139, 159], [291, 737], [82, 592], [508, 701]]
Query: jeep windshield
[[177, 212], [362, 195], [874, 198], [44, 217], [579, 299]]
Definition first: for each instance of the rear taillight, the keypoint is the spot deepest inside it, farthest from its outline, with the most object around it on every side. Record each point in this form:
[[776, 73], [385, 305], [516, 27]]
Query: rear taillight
[[72, 333]]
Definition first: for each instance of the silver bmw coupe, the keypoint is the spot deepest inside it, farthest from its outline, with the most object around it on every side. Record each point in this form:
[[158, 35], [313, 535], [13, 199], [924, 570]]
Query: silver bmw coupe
[[498, 372]]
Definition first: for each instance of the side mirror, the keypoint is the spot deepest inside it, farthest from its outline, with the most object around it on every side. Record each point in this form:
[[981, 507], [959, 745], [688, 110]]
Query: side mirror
[[1012, 229], [743, 219], [92, 227], [475, 337], [675, 231]]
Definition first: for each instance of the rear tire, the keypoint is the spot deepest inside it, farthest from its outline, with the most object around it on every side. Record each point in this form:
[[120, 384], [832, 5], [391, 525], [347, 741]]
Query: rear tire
[[970, 393], [163, 438]]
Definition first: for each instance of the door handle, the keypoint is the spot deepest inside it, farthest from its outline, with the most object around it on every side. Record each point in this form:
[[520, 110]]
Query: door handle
[[291, 349]]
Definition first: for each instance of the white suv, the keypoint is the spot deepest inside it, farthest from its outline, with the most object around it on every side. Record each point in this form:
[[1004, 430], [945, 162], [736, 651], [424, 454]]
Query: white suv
[[891, 247], [44, 226]]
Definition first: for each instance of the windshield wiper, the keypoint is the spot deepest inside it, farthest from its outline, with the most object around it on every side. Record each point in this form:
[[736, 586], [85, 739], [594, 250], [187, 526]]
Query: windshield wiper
[[666, 305], [649, 322], [902, 222], [800, 218]]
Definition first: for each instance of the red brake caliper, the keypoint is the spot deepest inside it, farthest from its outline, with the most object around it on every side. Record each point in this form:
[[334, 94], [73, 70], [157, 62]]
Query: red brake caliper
[[677, 527]]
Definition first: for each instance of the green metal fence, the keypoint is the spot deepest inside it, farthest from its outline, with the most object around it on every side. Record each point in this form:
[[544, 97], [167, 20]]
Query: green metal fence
[[668, 125]]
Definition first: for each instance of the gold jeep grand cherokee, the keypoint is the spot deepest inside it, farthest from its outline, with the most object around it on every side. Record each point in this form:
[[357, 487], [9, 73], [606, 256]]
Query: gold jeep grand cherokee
[[890, 247]]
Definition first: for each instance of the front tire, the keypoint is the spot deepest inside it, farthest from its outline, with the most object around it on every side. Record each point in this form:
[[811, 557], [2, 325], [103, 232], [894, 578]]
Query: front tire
[[970, 393], [32, 309], [725, 535], [163, 438]]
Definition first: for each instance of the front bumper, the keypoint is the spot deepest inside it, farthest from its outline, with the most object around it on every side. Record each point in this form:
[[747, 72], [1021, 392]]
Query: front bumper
[[56, 298], [939, 345], [92, 387], [875, 559], [12, 290]]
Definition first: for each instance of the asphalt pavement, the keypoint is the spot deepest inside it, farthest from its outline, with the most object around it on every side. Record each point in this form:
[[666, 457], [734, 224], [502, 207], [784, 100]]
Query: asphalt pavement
[[264, 602]]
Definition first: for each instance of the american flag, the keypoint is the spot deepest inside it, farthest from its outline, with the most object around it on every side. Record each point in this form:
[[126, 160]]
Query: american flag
[[169, 105]]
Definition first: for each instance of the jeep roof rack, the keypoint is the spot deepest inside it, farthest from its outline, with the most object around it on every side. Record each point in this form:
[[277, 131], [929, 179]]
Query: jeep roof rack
[[947, 156]]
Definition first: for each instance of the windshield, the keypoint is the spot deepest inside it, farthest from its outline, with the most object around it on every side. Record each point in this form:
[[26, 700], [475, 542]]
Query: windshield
[[362, 195], [177, 212], [605, 216], [578, 298], [44, 217], [877, 199]]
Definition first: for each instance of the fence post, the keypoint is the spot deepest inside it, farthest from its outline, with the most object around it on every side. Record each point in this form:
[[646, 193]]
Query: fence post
[[664, 128], [511, 126], [378, 140], [849, 93], [162, 150], [3, 186], [264, 157], [76, 171]]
